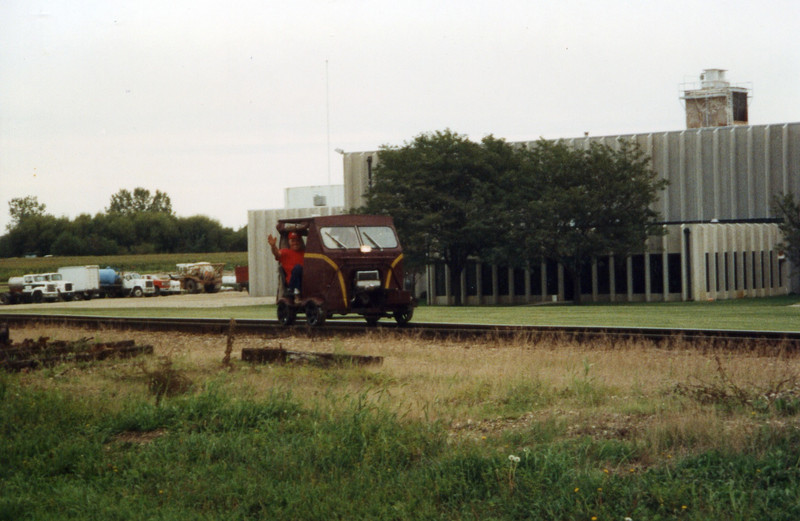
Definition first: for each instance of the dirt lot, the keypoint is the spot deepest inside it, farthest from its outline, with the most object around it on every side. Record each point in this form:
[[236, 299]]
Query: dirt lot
[[197, 300]]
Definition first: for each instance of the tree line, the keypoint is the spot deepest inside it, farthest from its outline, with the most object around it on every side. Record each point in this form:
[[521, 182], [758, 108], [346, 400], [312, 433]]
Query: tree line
[[133, 223]]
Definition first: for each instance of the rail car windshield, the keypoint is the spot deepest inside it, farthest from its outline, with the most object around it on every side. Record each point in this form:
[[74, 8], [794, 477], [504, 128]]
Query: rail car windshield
[[354, 237]]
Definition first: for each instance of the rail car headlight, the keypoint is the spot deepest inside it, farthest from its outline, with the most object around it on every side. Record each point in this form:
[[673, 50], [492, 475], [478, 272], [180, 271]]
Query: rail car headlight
[[368, 279], [365, 248]]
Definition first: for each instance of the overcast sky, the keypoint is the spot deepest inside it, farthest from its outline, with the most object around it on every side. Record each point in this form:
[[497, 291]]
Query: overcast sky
[[222, 105]]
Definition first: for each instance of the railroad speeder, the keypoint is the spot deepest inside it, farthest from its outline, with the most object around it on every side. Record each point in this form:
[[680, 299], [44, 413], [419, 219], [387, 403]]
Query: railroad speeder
[[353, 264]]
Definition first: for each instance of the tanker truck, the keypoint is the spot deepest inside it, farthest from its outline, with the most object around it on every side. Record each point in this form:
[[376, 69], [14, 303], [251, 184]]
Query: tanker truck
[[37, 287], [123, 284]]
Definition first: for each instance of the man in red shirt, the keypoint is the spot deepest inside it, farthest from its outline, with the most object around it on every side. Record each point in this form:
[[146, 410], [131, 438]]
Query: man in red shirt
[[291, 260]]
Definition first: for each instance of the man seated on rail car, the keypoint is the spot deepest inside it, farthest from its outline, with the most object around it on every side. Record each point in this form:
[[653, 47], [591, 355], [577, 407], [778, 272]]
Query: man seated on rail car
[[291, 260]]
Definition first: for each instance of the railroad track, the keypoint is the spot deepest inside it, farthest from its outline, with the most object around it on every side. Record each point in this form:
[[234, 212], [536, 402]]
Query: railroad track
[[732, 338]]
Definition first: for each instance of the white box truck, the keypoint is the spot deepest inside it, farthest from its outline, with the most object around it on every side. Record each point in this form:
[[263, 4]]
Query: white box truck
[[85, 280]]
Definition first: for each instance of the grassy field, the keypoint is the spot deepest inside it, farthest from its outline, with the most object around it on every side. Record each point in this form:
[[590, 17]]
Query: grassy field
[[524, 429]]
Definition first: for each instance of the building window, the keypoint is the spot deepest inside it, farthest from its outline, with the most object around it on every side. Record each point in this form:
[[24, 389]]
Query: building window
[[536, 278], [603, 276], [502, 280], [586, 278], [674, 272], [486, 280], [552, 277], [771, 278], [620, 275], [519, 282], [744, 270], [637, 272], [656, 273], [440, 278], [725, 273], [471, 277]]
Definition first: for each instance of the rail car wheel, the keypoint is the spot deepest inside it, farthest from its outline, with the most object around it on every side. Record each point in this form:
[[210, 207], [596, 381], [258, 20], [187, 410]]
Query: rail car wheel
[[402, 317], [315, 314], [286, 314], [372, 320]]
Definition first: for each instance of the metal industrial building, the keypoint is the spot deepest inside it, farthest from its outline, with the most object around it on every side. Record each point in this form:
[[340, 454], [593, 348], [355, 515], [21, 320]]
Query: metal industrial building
[[721, 238]]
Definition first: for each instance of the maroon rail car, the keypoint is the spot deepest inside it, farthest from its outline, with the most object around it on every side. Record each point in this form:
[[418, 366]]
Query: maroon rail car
[[353, 265]]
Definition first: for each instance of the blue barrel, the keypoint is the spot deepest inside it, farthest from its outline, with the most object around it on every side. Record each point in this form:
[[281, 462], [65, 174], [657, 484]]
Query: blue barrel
[[108, 276]]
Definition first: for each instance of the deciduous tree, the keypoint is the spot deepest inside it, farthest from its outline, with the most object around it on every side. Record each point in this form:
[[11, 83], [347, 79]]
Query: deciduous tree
[[21, 208], [789, 212], [439, 189], [140, 201], [572, 204]]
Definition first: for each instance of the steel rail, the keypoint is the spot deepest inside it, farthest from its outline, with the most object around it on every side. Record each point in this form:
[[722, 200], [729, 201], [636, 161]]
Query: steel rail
[[788, 339]]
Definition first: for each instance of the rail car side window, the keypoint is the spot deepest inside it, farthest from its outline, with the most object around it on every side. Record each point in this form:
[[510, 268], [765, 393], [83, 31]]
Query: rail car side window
[[340, 237], [378, 236]]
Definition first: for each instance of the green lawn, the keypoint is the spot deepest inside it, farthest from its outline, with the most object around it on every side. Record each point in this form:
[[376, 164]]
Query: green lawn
[[770, 314]]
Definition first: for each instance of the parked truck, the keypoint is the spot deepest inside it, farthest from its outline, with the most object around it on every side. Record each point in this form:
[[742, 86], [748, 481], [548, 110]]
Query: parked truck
[[85, 280], [242, 277], [37, 287], [199, 276], [164, 285], [123, 284]]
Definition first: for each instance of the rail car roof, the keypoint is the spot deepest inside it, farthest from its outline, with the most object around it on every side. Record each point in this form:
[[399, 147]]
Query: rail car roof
[[304, 223]]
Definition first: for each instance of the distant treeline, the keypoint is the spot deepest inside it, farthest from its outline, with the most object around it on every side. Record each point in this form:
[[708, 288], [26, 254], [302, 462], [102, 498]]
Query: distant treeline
[[119, 234]]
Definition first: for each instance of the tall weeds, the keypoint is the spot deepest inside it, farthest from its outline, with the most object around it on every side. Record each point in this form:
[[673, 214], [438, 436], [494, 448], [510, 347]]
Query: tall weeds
[[536, 429]]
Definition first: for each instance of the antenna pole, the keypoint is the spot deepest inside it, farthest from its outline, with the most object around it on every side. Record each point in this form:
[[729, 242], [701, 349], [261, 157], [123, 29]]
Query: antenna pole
[[328, 121]]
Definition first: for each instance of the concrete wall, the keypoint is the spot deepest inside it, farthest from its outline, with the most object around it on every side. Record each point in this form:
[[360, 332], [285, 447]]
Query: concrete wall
[[736, 260], [357, 177]]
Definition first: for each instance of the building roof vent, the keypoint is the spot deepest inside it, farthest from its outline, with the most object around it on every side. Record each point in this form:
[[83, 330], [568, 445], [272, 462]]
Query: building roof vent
[[713, 79]]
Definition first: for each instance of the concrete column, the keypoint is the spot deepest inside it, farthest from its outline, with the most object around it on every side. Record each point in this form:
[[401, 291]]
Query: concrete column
[[495, 292], [527, 283], [479, 282], [629, 275], [612, 279]]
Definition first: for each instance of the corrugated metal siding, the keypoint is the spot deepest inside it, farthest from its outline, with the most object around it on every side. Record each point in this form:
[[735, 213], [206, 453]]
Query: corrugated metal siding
[[263, 267], [726, 173]]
